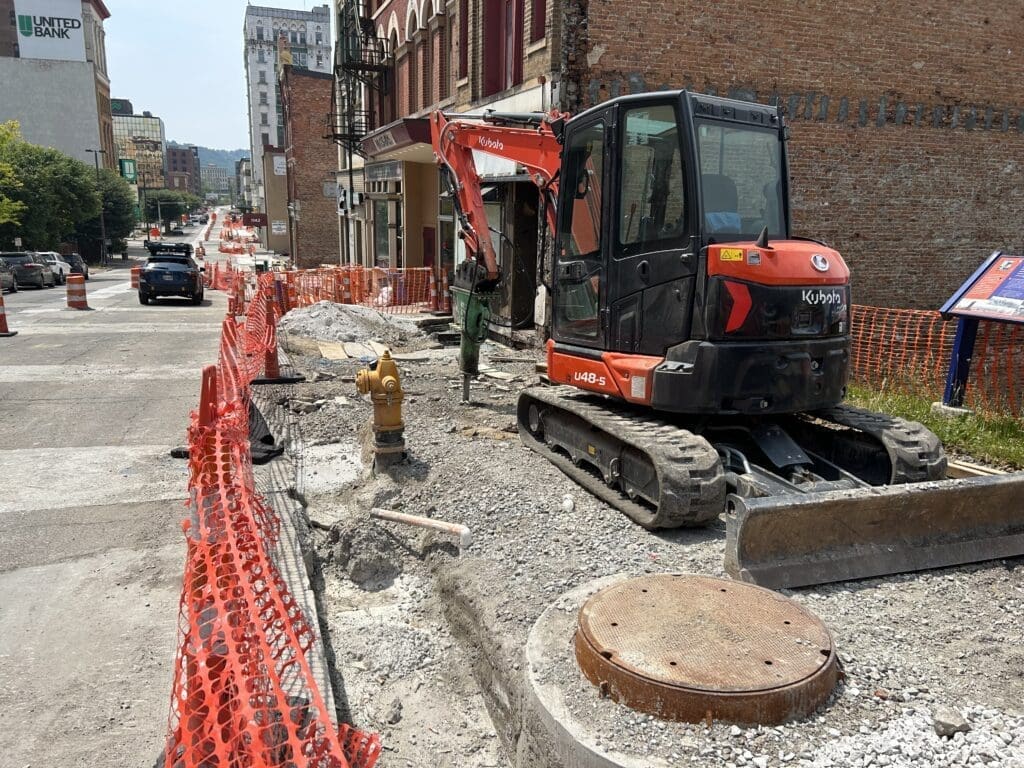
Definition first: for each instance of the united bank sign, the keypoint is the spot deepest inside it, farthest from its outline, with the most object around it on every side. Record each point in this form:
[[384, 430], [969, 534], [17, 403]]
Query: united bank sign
[[48, 26], [50, 29]]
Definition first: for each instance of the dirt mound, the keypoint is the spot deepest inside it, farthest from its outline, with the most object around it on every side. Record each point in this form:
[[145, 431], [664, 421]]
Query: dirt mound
[[327, 321], [367, 554]]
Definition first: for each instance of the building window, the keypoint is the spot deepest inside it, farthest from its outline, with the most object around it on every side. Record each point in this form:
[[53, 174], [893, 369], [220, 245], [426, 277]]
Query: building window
[[444, 72], [264, 119], [463, 38], [259, 30], [319, 37], [265, 137], [261, 56], [263, 76], [503, 50], [538, 14], [302, 38], [263, 97]]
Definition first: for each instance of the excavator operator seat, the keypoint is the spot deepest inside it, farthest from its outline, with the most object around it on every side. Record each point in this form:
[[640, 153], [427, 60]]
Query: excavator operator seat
[[721, 203]]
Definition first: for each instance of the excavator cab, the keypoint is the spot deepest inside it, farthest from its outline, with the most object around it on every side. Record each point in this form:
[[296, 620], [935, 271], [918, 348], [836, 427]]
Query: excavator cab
[[673, 251]]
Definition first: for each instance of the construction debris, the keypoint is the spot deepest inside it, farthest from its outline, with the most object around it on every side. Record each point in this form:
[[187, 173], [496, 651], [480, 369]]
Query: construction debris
[[444, 635]]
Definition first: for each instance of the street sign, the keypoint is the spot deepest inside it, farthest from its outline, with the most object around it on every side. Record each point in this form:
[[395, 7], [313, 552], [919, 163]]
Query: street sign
[[17, 242], [254, 219]]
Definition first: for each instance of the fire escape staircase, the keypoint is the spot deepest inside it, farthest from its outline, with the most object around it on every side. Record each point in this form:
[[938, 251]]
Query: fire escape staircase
[[361, 60]]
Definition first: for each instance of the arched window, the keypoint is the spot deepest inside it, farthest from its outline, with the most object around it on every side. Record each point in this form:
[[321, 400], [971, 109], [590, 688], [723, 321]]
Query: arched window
[[412, 78], [427, 64], [463, 38]]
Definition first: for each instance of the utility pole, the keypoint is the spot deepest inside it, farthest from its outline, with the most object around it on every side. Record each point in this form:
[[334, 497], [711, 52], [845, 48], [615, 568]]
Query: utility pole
[[103, 226]]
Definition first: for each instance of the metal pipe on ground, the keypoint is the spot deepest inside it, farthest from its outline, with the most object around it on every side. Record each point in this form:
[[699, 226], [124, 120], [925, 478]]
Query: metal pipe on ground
[[464, 534]]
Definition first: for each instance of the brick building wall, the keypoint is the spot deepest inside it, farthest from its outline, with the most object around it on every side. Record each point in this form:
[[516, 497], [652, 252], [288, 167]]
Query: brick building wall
[[907, 120], [428, 37], [306, 98]]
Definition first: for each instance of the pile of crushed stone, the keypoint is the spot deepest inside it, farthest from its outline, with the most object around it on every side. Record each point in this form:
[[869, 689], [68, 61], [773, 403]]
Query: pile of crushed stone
[[327, 321]]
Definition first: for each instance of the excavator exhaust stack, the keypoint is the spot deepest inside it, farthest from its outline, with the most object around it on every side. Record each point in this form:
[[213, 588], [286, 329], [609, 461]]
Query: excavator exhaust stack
[[800, 540]]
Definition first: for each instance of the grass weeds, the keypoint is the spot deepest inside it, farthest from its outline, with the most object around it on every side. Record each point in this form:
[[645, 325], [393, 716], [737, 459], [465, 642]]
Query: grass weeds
[[993, 440]]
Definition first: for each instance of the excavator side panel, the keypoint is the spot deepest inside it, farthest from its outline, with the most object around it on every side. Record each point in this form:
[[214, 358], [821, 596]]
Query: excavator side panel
[[800, 540]]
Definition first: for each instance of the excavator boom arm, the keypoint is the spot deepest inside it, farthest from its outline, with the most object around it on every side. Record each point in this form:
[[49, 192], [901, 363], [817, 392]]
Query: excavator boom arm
[[535, 148]]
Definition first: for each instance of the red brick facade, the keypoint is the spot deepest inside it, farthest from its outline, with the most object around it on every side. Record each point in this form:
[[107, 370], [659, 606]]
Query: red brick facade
[[312, 159], [907, 126]]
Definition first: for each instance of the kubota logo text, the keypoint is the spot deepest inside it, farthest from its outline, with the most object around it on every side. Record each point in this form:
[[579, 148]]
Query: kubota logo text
[[819, 296], [483, 141], [48, 26]]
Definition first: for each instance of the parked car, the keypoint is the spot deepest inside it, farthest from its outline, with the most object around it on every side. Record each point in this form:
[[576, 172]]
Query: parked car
[[177, 231], [30, 269], [7, 280], [61, 269], [78, 265], [170, 274]]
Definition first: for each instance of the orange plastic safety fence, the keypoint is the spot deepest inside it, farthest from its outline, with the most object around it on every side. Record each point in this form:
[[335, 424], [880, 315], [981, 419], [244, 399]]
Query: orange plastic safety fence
[[394, 291], [909, 351], [244, 693]]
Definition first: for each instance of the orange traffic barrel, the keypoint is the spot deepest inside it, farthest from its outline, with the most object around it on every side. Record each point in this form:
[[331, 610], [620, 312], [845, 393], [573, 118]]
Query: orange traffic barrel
[[136, 271], [4, 331], [76, 292]]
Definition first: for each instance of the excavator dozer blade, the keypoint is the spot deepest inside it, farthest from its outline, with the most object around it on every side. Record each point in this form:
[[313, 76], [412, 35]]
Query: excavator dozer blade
[[799, 540]]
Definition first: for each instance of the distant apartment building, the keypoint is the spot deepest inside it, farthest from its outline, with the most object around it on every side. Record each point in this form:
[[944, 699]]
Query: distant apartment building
[[311, 158], [398, 61], [243, 181], [56, 86], [217, 179], [183, 170], [307, 36], [141, 138]]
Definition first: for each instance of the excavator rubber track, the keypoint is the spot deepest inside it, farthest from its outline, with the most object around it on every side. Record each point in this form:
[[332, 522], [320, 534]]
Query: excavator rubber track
[[659, 475], [915, 453]]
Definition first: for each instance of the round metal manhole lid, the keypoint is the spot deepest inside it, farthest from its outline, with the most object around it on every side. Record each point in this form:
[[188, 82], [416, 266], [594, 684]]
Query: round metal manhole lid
[[690, 647]]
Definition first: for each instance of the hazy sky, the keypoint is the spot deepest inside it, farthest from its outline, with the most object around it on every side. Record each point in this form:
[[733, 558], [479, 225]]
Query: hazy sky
[[182, 61]]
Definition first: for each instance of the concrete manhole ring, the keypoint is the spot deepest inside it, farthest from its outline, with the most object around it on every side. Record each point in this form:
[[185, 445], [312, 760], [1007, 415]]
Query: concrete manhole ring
[[694, 648], [575, 731]]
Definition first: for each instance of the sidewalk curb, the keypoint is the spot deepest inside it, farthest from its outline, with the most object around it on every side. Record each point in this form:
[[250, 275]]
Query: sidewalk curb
[[294, 556]]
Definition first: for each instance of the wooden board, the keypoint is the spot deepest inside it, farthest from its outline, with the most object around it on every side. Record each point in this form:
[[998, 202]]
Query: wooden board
[[332, 350]]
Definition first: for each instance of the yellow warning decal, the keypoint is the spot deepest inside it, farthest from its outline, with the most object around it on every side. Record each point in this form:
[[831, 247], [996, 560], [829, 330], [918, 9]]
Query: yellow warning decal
[[731, 254]]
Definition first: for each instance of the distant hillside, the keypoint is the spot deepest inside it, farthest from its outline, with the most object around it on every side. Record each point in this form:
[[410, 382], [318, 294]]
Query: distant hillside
[[225, 158]]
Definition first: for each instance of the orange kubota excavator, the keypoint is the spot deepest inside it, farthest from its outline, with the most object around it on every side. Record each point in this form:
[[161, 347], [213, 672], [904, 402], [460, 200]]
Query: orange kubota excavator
[[699, 351]]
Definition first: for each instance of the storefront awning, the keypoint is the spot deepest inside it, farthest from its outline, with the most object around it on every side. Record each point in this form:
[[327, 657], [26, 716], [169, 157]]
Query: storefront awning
[[407, 139]]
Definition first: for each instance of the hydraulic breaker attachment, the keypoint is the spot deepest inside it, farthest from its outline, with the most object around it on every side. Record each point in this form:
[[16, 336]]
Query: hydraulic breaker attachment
[[473, 312], [796, 540]]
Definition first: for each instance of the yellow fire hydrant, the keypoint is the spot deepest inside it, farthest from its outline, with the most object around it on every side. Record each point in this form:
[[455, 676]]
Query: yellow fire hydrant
[[381, 383]]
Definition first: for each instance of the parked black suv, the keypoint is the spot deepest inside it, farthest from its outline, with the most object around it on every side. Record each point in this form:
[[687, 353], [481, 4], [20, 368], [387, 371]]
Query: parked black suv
[[78, 265], [170, 274]]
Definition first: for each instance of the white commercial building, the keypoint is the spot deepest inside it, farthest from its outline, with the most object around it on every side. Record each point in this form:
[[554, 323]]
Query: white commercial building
[[308, 37], [53, 75]]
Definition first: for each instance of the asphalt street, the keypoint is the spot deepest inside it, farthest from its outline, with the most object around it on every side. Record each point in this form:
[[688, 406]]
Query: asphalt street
[[91, 548]]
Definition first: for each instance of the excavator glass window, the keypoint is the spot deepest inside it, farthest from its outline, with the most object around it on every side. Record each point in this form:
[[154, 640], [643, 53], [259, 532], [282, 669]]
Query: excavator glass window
[[652, 201], [741, 180], [578, 269]]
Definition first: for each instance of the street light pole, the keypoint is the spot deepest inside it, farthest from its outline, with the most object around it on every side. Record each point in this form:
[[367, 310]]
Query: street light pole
[[103, 226]]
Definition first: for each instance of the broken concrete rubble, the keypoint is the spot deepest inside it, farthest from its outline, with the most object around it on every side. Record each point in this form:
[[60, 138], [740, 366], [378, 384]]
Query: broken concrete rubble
[[445, 635]]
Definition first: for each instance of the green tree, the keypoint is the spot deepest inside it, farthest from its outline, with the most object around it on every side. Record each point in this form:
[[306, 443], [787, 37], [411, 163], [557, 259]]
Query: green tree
[[118, 215], [172, 205], [57, 192], [10, 208]]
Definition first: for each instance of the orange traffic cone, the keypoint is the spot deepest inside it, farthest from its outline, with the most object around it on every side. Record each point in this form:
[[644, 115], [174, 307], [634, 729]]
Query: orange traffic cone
[[76, 292], [446, 297], [4, 332], [432, 297], [136, 271]]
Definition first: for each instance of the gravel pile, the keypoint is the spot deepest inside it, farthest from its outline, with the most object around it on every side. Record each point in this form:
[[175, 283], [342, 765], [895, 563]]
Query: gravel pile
[[327, 321], [910, 645]]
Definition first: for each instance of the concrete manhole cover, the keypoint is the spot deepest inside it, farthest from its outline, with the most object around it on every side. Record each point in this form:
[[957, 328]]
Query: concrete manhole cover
[[684, 647]]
